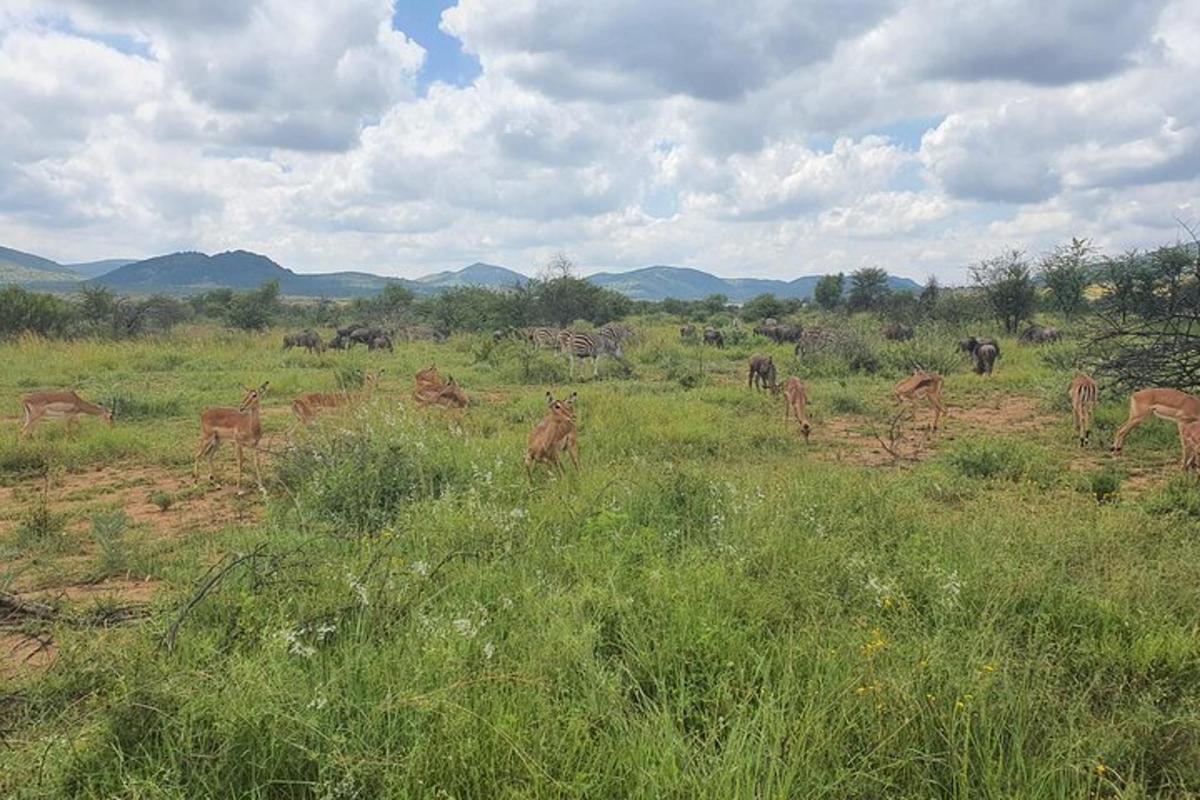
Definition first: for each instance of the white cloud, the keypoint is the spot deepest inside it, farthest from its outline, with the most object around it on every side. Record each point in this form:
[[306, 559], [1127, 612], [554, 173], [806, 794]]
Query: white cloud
[[774, 137]]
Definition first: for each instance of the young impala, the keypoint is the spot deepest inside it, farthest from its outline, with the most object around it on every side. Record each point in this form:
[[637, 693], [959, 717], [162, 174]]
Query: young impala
[[307, 406], [796, 404], [241, 426], [58, 405], [1084, 393], [1170, 404], [555, 433], [922, 386]]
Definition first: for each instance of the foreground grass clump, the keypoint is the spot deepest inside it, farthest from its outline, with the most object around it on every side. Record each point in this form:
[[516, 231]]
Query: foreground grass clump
[[709, 608]]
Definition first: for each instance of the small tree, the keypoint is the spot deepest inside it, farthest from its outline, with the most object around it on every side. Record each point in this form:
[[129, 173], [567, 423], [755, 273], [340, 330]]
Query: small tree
[[253, 311], [559, 266], [1067, 272], [762, 307], [714, 304], [868, 289], [829, 290], [930, 295], [1007, 285]]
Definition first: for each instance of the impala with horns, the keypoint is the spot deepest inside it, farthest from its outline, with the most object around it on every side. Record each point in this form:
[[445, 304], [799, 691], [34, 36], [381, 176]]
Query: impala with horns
[[58, 405], [1169, 404], [241, 426], [307, 406], [1084, 394], [796, 396], [555, 433], [922, 386]]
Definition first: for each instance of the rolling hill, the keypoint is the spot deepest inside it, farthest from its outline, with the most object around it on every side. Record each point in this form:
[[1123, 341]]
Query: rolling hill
[[192, 272]]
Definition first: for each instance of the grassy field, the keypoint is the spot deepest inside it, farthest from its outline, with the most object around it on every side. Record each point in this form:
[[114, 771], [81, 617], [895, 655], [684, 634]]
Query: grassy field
[[710, 608]]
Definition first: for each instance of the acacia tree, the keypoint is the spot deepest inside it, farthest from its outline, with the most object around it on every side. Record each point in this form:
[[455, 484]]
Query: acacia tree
[[1067, 272], [869, 289], [829, 290], [1006, 282]]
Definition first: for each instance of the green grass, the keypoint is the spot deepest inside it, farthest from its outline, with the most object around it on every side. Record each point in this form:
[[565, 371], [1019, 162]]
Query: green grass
[[710, 608]]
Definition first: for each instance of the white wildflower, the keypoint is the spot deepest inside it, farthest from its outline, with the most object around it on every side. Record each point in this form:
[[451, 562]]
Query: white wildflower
[[489, 650], [420, 568], [465, 628]]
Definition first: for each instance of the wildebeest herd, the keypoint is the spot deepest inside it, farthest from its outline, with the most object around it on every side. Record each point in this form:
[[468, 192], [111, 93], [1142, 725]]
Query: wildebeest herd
[[557, 431]]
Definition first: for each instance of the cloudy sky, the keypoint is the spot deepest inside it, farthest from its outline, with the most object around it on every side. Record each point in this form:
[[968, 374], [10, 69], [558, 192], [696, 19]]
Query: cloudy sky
[[763, 137]]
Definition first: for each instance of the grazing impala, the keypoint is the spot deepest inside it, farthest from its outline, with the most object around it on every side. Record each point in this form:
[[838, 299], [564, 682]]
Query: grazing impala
[[796, 394], [58, 405], [555, 433], [307, 406], [922, 386], [1171, 404], [242, 426], [1084, 394]]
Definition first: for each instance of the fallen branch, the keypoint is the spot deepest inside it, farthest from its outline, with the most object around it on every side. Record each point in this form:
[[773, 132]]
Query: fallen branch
[[215, 577]]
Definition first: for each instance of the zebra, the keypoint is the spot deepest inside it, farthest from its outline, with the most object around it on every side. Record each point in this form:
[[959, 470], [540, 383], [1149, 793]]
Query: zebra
[[619, 331], [589, 345], [540, 337]]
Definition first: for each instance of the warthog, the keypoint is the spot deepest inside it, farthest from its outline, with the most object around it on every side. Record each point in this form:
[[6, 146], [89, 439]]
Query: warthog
[[762, 373], [984, 353], [308, 339], [714, 337]]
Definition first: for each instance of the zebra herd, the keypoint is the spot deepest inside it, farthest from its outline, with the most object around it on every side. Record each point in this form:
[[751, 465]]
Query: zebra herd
[[607, 340]]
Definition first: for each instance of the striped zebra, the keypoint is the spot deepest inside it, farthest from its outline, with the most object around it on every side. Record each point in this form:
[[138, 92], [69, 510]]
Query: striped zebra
[[589, 345], [618, 331], [541, 337]]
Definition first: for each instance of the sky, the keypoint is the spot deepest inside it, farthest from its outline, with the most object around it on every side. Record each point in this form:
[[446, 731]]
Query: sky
[[768, 138]]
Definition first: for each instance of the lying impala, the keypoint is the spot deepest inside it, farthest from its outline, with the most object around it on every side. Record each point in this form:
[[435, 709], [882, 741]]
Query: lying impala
[[922, 386], [555, 433], [1171, 404], [307, 406], [241, 426], [432, 390], [58, 405], [1084, 394], [796, 404]]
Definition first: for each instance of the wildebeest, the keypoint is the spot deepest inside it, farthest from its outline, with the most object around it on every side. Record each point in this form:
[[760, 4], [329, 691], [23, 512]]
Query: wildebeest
[[308, 339], [714, 337], [779, 333], [984, 353], [897, 332], [687, 333], [1036, 334], [381, 342], [762, 373]]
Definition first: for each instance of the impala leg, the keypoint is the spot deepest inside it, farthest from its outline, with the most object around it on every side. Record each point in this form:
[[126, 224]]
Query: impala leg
[[208, 443], [573, 452], [258, 468], [237, 449], [1136, 417], [32, 418]]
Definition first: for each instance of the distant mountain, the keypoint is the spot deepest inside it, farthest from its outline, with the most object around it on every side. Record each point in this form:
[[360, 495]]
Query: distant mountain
[[687, 283], [33, 271], [477, 274], [192, 273], [94, 269]]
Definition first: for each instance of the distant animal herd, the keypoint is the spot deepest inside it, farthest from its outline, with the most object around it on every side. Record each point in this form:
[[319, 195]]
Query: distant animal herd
[[556, 432]]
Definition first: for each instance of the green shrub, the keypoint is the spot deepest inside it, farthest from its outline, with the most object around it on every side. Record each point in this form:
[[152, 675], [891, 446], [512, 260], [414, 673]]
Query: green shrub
[[164, 500], [1103, 484], [108, 531], [991, 458], [42, 527], [1181, 495]]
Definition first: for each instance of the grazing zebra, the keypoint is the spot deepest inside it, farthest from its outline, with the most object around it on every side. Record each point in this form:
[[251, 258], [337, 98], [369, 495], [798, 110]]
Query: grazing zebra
[[618, 331], [541, 337], [589, 345]]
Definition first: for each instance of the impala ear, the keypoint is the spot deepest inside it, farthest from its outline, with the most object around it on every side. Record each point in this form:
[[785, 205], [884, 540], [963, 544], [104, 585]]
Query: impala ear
[[549, 399]]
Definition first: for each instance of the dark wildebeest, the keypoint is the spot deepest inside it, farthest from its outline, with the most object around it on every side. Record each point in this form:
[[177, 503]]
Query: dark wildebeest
[[687, 333], [1036, 334], [714, 337], [338, 343], [381, 342], [779, 333], [762, 373], [896, 332], [308, 339], [984, 353]]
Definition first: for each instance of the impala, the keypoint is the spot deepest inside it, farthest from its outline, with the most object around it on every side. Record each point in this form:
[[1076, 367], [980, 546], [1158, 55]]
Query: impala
[[796, 396], [1190, 434], [555, 433], [922, 386], [448, 394], [1171, 404], [307, 406], [1084, 394], [242, 426], [58, 405]]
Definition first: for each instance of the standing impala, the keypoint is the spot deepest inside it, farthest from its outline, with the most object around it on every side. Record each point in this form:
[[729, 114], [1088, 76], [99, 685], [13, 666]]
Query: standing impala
[[58, 405], [1171, 404], [922, 386], [1084, 393], [242, 426]]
